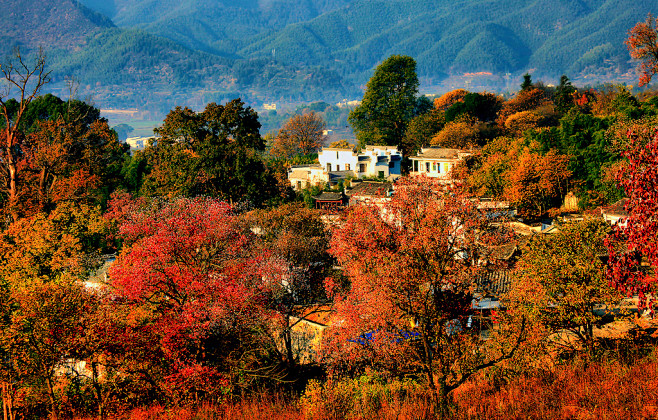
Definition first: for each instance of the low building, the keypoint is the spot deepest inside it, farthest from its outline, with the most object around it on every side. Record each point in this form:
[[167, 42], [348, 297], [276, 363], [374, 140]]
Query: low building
[[330, 201], [370, 192], [337, 163], [616, 212], [436, 162], [304, 176]]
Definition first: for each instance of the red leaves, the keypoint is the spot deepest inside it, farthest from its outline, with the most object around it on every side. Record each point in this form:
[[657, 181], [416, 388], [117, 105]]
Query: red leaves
[[635, 237], [642, 43], [198, 278], [411, 267]]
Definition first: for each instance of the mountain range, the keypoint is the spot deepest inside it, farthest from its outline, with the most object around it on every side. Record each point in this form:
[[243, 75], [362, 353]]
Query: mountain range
[[309, 49]]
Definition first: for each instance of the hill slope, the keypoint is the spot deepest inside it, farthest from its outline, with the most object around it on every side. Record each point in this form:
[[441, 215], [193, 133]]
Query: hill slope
[[562, 36], [291, 50], [64, 23], [218, 26]]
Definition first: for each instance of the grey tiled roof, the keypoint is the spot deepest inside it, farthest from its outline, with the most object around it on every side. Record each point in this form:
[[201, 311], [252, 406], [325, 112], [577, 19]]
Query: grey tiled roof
[[367, 188], [494, 283], [437, 153], [329, 196]]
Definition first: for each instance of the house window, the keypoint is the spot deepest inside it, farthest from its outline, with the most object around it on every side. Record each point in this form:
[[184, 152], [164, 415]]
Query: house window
[[434, 167], [299, 185], [391, 165], [381, 174], [427, 166], [347, 166], [415, 166], [362, 167], [438, 166], [337, 168], [328, 167]]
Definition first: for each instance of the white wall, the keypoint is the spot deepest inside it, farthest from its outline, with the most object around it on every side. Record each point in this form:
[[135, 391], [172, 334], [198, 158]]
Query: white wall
[[339, 159]]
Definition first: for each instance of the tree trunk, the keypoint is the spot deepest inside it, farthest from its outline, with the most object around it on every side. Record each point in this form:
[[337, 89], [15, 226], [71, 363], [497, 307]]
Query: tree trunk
[[13, 181], [42, 188], [5, 398], [287, 341], [51, 396], [98, 390]]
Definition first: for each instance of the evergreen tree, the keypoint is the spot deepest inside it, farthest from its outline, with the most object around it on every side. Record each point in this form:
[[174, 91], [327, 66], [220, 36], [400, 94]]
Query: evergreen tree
[[389, 103]]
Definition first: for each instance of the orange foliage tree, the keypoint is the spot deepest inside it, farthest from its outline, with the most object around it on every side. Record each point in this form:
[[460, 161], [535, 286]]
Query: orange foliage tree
[[412, 266], [70, 160], [45, 309], [446, 100], [300, 135], [536, 183], [459, 134], [43, 328], [525, 100], [642, 43]]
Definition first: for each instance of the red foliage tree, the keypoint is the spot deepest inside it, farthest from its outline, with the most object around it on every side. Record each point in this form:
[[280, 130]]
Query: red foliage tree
[[412, 266], [634, 238], [642, 43], [194, 282]]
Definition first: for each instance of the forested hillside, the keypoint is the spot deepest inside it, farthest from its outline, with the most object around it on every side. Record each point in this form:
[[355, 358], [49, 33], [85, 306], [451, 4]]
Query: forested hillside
[[484, 35], [280, 50], [218, 26], [60, 23]]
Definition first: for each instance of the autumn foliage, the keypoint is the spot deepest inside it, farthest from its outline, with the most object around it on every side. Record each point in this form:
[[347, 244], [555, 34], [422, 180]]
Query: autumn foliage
[[300, 135], [194, 283], [642, 43], [180, 298], [412, 266], [635, 239]]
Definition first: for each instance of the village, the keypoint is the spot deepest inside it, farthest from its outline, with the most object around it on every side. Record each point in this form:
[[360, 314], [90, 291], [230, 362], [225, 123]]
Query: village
[[466, 255]]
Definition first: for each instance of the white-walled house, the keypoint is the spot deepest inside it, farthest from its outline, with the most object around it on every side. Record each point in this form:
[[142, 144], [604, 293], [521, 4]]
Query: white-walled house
[[340, 163], [436, 162], [303, 176], [380, 161], [335, 159]]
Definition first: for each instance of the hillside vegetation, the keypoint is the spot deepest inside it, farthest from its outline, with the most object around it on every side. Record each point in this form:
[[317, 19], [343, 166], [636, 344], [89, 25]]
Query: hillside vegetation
[[285, 51]]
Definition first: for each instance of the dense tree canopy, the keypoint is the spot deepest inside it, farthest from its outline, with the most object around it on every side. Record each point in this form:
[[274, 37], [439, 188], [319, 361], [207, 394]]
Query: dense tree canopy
[[561, 280], [642, 43], [389, 103], [215, 152], [196, 281], [637, 232], [412, 265]]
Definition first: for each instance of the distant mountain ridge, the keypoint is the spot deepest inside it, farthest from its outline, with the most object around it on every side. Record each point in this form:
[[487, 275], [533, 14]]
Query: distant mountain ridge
[[315, 49], [218, 26], [445, 36], [65, 23]]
